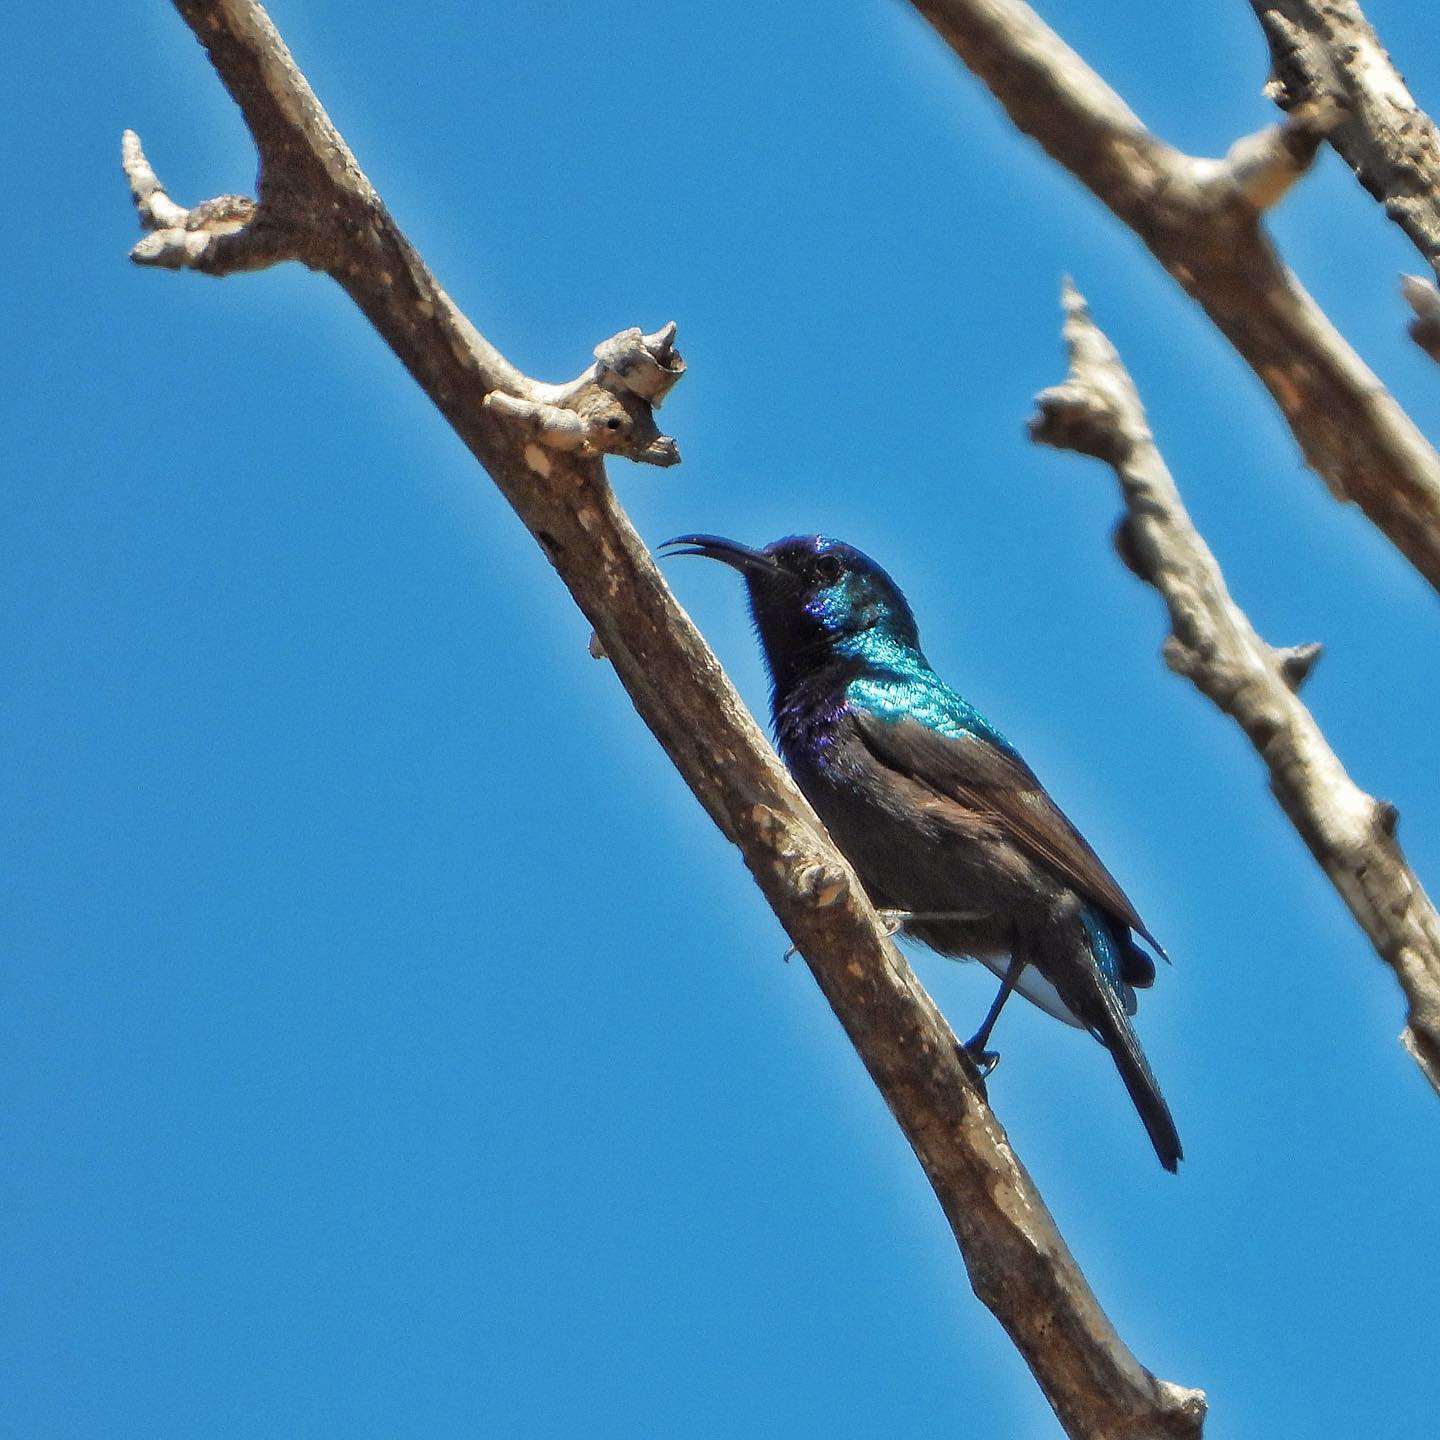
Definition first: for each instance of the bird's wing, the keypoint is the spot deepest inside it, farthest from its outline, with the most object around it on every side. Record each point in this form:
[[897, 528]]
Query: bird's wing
[[1001, 788]]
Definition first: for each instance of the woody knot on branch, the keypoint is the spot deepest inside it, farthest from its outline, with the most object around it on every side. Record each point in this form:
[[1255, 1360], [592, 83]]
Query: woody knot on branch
[[215, 237], [1259, 168], [607, 410]]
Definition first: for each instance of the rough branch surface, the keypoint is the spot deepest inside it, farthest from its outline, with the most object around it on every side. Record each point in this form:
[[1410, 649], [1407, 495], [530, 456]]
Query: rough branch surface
[[543, 446], [1201, 220], [1097, 411], [1327, 49]]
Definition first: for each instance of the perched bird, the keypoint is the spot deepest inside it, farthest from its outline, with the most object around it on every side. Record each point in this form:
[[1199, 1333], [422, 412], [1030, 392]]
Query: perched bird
[[943, 821]]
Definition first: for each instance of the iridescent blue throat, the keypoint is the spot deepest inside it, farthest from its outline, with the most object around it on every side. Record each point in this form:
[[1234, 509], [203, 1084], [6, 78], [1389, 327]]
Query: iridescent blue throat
[[897, 683]]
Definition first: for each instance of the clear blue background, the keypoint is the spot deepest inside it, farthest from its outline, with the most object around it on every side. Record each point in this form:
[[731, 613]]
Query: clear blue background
[[389, 1046]]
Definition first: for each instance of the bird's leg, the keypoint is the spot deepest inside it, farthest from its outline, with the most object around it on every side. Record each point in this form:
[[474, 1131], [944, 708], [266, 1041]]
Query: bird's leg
[[986, 1060]]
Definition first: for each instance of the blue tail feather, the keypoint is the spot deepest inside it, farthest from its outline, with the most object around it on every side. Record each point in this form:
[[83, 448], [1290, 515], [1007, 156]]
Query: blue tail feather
[[1107, 952]]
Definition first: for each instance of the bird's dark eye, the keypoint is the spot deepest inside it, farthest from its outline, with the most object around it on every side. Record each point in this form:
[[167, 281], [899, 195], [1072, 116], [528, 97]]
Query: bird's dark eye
[[828, 569]]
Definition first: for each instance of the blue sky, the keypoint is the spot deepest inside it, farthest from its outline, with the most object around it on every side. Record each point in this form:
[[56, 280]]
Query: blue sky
[[389, 1045]]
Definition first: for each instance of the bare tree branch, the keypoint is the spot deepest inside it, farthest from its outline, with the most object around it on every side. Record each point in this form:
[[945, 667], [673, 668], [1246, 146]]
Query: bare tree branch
[[1326, 49], [608, 408], [1201, 220], [1330, 52], [543, 446], [1097, 411]]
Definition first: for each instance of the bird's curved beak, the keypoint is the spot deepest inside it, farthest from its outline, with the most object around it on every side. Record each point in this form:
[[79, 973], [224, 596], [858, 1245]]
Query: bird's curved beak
[[727, 552]]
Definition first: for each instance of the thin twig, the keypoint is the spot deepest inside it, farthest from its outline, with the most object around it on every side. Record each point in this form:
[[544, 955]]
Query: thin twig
[[1097, 411], [1424, 301]]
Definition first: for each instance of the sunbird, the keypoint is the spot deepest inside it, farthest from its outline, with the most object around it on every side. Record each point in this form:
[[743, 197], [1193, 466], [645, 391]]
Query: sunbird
[[943, 821]]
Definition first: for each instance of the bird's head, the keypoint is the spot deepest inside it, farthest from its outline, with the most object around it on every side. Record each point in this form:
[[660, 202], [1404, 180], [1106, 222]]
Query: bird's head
[[812, 596]]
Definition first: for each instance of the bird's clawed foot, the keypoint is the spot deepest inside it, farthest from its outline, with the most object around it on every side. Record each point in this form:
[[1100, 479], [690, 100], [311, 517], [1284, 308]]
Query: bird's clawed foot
[[897, 920], [978, 1065], [893, 920], [982, 1059]]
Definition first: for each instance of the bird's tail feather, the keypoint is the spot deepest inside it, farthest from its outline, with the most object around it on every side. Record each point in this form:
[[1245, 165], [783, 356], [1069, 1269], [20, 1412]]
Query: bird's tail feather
[[1112, 1028]]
